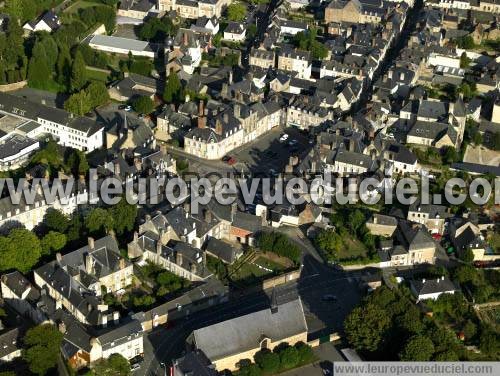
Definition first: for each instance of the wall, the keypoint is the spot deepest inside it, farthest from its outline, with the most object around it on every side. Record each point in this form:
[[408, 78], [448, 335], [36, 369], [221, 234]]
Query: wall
[[13, 86]]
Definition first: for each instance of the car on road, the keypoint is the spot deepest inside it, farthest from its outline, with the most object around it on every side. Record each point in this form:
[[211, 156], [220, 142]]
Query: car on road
[[283, 137], [134, 367], [329, 298], [229, 160], [292, 142]]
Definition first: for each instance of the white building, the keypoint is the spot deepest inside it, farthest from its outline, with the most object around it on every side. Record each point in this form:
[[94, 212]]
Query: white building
[[49, 22], [235, 32], [432, 288], [122, 46]]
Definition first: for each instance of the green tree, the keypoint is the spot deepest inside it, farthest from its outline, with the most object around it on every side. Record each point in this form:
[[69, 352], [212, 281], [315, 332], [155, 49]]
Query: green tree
[[418, 348], [306, 353], [14, 8], [124, 215], [173, 89], [356, 221], [115, 365], [143, 105], [236, 12], [268, 361], [467, 255], [330, 242], [63, 66], [289, 357], [489, 341], [365, 327], [446, 356], [56, 220], [19, 250], [470, 330], [78, 73], [98, 93], [42, 348], [466, 42], [38, 72], [79, 103], [98, 220], [464, 61], [53, 242]]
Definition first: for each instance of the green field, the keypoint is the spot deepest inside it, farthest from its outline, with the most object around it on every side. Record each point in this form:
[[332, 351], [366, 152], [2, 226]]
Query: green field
[[96, 75], [251, 273]]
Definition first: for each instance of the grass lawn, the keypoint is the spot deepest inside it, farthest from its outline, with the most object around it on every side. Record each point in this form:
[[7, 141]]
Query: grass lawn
[[82, 4], [96, 75], [250, 273], [353, 248]]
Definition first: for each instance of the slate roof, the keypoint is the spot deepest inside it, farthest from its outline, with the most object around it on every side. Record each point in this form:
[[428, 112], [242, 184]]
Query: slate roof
[[234, 28], [244, 333], [434, 211], [432, 286], [194, 363], [433, 109], [223, 250], [10, 341], [247, 221]]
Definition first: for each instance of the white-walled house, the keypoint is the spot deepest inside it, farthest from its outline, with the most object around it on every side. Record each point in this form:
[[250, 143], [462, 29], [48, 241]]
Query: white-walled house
[[432, 288], [235, 32]]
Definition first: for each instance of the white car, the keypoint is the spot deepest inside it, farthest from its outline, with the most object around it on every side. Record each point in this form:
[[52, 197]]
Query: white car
[[283, 137]]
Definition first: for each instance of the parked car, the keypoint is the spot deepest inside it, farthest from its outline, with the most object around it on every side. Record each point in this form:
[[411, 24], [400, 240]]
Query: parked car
[[229, 160], [293, 142], [283, 137]]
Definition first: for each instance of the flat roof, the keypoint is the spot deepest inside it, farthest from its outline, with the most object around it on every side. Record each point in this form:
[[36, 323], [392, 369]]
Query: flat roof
[[119, 42]]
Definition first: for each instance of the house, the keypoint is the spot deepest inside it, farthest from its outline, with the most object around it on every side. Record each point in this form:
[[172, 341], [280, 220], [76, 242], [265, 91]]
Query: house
[[222, 250], [186, 52], [305, 115], [293, 60], [10, 344], [403, 160], [465, 235], [412, 245], [432, 288], [133, 86], [82, 346], [49, 22], [382, 225], [347, 162], [207, 25], [226, 343], [193, 363], [22, 296], [138, 9], [292, 27], [244, 227], [430, 215], [260, 57], [235, 32], [193, 9], [125, 136], [355, 11]]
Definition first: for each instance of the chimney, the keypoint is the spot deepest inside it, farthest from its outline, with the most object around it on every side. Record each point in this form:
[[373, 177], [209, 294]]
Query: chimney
[[201, 105], [122, 263], [202, 120], [218, 127], [375, 220], [91, 243], [225, 116], [117, 168], [186, 206], [230, 78], [62, 327], [88, 264], [207, 215], [178, 258], [423, 280], [58, 257], [193, 268], [158, 247], [104, 321], [234, 209], [116, 317], [351, 144], [185, 39], [136, 236], [237, 110]]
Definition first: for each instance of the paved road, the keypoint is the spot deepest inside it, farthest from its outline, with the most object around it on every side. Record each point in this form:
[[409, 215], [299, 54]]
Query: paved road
[[163, 345]]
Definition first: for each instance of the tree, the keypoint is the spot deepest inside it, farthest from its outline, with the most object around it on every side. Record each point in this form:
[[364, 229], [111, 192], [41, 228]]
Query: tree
[[115, 365], [53, 242], [38, 72], [464, 61], [450, 155], [418, 348], [173, 89], [78, 73], [14, 8], [43, 343], [469, 330], [236, 12], [56, 220], [143, 105], [489, 341], [98, 93], [366, 326], [446, 356], [124, 215], [249, 370], [19, 250], [63, 66], [289, 357], [467, 255], [98, 220], [356, 220], [79, 103], [331, 242], [466, 42], [305, 351], [268, 361]]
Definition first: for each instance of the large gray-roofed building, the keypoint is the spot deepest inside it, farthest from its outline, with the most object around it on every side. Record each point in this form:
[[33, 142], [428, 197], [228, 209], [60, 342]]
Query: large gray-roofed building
[[121, 45], [226, 340]]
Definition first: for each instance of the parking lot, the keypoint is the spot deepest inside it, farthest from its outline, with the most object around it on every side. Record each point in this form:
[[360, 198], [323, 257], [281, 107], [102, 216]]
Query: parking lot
[[268, 153]]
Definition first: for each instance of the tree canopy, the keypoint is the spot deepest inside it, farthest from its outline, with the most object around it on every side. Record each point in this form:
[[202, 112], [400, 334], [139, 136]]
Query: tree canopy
[[236, 12], [115, 365], [19, 250], [42, 348], [173, 89], [143, 105]]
